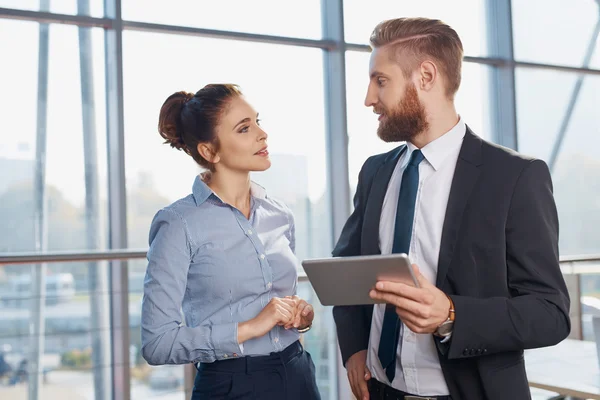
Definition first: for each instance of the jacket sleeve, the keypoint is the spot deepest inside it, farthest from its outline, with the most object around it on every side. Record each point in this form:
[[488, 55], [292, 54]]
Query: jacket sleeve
[[537, 313]]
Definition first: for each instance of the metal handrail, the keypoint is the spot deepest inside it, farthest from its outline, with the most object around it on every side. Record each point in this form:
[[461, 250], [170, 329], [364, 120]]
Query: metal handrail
[[580, 258], [59, 256], [71, 256], [124, 254], [574, 264]]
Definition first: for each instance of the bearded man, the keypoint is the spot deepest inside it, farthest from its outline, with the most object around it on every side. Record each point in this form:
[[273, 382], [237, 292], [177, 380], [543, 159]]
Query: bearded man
[[478, 221]]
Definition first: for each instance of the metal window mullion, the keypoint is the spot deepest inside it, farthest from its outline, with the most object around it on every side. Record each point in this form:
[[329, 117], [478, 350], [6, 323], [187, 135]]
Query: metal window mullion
[[47, 17], [107, 23], [500, 41], [334, 68], [117, 202], [227, 35], [37, 328], [335, 116], [97, 272]]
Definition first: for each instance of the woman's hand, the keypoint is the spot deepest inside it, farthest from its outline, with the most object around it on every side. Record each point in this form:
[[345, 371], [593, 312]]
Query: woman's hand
[[279, 311], [303, 314]]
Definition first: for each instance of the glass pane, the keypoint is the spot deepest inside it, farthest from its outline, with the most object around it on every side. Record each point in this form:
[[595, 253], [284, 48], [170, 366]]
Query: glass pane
[[75, 346], [75, 159], [96, 7], [321, 343], [537, 39], [291, 113], [542, 105], [164, 382], [467, 17], [267, 17], [70, 124], [590, 305], [471, 103]]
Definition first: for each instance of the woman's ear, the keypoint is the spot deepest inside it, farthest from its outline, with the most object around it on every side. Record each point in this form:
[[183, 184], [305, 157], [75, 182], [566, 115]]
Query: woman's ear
[[207, 152]]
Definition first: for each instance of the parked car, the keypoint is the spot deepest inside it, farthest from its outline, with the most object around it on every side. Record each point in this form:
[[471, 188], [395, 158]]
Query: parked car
[[166, 377], [59, 288]]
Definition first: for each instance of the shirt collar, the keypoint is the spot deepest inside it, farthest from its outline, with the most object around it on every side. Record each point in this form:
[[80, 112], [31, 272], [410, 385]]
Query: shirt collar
[[436, 152], [202, 192]]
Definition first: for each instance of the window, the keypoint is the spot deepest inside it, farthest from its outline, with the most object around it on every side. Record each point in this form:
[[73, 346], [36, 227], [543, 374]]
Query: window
[[468, 18], [75, 317], [267, 17], [543, 35], [67, 216], [542, 108]]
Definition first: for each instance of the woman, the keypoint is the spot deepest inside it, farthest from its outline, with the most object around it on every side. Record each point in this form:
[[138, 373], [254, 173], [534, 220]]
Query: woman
[[225, 255]]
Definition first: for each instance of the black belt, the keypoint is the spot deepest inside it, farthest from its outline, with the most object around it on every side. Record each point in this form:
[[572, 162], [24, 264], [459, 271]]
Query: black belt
[[254, 363], [381, 391]]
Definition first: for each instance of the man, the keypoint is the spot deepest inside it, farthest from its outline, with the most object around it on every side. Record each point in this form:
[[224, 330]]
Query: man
[[479, 223]]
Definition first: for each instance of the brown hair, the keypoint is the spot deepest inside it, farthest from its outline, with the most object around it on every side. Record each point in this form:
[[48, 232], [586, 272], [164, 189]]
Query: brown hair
[[188, 119], [418, 38]]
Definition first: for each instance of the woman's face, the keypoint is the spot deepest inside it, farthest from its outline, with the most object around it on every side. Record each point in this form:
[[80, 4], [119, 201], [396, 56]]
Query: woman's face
[[242, 142]]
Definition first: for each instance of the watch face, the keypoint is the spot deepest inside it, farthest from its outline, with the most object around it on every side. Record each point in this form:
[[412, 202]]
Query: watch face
[[445, 329]]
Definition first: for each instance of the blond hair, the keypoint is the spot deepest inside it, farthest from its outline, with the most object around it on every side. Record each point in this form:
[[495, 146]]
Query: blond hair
[[415, 40]]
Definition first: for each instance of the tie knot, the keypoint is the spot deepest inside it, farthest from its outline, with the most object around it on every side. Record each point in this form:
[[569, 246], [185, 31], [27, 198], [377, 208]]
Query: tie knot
[[416, 157]]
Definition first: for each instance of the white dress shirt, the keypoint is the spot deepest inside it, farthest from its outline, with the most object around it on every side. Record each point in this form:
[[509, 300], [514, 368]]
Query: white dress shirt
[[418, 369]]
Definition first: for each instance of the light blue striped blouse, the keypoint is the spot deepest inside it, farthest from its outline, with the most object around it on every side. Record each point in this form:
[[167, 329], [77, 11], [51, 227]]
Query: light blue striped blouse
[[207, 259]]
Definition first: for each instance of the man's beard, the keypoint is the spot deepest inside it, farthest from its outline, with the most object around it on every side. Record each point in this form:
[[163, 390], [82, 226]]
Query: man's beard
[[404, 122]]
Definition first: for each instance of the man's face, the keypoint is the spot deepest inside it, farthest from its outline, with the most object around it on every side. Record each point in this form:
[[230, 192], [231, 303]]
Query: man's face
[[401, 114]]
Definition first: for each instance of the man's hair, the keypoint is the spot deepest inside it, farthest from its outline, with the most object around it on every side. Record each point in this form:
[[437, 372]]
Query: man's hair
[[415, 40]]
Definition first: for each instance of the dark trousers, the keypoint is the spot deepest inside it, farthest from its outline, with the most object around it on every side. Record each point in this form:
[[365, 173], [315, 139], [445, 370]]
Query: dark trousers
[[381, 391], [287, 375]]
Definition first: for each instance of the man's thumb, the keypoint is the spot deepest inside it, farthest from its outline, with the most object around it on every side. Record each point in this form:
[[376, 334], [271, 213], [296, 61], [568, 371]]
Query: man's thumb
[[420, 278]]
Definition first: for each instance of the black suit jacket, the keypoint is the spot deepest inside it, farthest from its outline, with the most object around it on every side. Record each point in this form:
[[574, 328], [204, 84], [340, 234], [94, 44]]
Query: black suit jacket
[[498, 262]]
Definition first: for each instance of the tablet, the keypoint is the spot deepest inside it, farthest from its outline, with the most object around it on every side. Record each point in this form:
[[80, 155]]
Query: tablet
[[344, 281]]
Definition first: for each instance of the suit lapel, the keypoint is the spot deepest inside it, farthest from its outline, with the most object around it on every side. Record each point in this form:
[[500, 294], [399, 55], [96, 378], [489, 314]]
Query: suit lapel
[[465, 176], [375, 201]]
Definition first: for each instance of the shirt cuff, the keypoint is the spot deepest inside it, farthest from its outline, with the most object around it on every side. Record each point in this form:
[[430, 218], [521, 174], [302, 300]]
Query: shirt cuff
[[224, 340], [447, 338]]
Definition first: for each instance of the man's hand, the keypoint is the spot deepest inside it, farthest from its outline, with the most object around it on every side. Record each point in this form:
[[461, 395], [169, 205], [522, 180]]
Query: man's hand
[[421, 309], [358, 374]]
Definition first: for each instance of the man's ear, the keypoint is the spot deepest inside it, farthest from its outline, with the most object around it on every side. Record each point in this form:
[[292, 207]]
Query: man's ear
[[427, 75]]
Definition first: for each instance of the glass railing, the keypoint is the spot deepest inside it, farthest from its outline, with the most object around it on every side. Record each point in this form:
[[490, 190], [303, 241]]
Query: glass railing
[[59, 343]]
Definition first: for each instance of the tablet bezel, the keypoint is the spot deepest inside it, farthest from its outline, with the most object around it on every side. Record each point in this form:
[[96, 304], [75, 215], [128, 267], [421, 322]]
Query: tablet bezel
[[341, 281]]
